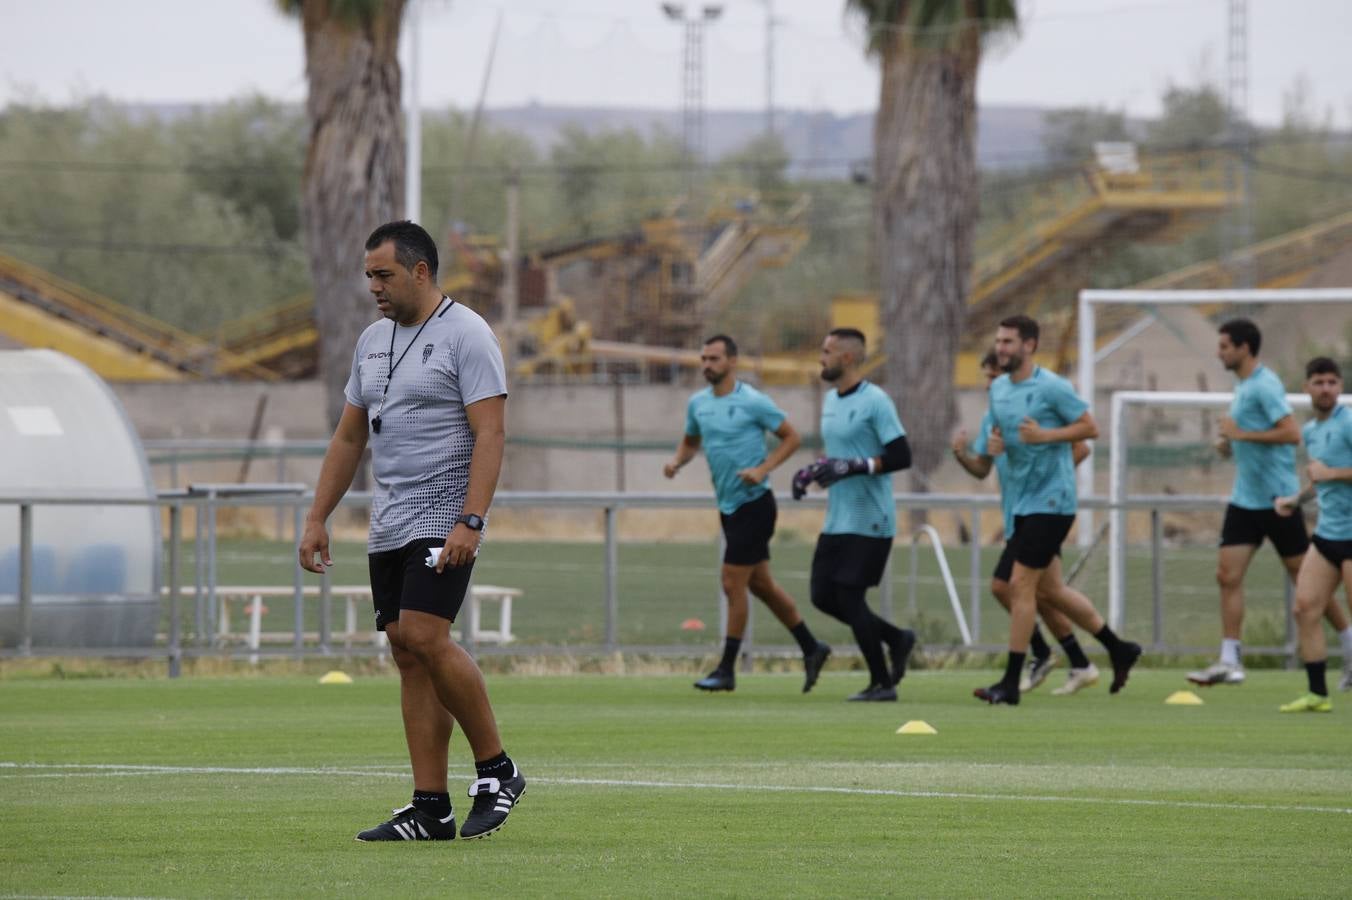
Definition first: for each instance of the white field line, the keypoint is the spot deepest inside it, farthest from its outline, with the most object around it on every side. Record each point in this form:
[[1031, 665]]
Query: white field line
[[115, 770]]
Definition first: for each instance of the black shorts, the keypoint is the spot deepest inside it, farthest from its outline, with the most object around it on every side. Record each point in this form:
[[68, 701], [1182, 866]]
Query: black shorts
[[748, 530], [850, 559], [1249, 527], [1004, 566], [401, 579], [1336, 552], [1038, 538]]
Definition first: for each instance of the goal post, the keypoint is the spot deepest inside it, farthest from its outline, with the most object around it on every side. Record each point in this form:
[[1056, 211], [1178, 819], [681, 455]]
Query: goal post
[[1090, 354], [1119, 495]]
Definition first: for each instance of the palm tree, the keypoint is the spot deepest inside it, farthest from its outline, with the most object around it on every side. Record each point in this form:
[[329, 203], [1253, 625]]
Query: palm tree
[[925, 197], [354, 167]]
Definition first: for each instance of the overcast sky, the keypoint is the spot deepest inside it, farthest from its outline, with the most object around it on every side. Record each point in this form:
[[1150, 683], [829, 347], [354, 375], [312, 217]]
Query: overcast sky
[[1115, 53]]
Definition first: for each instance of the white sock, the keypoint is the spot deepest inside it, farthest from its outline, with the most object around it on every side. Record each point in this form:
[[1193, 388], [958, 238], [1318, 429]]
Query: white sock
[[1346, 637], [1230, 651]]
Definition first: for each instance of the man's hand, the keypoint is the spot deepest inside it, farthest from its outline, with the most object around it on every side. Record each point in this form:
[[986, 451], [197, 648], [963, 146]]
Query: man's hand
[[1030, 432], [670, 469], [804, 477], [1285, 506], [995, 444], [1318, 471], [753, 475], [1223, 448], [462, 545], [959, 443], [315, 539], [1228, 429]]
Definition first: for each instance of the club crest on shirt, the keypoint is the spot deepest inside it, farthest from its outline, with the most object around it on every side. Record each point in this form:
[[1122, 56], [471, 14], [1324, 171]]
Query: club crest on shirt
[[427, 352]]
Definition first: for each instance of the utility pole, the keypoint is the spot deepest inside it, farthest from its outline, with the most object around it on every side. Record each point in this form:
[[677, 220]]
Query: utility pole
[[413, 120], [692, 83], [770, 23], [1238, 230], [510, 262]]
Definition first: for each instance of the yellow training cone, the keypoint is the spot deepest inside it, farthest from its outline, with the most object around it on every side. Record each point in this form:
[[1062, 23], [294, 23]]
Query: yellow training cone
[[1183, 698], [336, 677], [915, 726]]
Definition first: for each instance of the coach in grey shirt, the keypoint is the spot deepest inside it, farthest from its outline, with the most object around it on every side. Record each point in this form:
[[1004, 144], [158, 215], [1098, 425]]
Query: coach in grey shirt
[[428, 393]]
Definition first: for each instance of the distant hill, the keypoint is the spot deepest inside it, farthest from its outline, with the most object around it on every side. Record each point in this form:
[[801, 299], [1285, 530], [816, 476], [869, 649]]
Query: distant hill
[[820, 143]]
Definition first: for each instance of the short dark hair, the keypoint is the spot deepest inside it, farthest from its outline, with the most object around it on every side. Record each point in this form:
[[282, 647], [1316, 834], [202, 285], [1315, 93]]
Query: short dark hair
[[1243, 331], [1026, 326], [990, 360], [729, 345], [1322, 365], [853, 334], [412, 244]]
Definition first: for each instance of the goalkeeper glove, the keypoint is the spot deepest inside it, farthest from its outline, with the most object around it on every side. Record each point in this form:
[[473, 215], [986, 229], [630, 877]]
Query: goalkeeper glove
[[804, 477], [833, 470]]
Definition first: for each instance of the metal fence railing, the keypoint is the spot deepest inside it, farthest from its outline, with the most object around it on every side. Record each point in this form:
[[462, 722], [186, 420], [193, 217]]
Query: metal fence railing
[[614, 591]]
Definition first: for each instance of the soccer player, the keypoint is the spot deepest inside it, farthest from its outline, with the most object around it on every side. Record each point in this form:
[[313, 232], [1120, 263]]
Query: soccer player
[[865, 443], [1261, 434], [729, 420], [428, 394], [1039, 416], [1083, 673], [1328, 438]]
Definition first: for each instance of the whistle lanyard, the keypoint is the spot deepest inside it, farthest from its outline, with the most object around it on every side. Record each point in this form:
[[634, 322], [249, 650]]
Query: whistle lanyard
[[394, 363]]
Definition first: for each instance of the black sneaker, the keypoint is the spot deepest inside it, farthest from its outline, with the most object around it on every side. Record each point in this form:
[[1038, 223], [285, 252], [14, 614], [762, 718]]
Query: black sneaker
[[998, 693], [812, 665], [412, 824], [875, 693], [717, 680], [493, 800], [1122, 664], [900, 653]]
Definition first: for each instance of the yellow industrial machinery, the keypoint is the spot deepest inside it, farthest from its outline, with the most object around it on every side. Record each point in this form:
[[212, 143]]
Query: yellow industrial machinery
[[37, 309]]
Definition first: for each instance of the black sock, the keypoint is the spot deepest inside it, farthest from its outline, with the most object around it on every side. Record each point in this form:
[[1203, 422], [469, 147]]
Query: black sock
[[1038, 644], [1314, 671], [432, 803], [803, 635], [1111, 642], [499, 767], [1013, 669], [1074, 652], [731, 646]]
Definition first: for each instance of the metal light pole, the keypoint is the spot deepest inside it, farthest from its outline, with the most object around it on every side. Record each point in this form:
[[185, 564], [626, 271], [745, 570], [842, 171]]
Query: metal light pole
[[692, 83]]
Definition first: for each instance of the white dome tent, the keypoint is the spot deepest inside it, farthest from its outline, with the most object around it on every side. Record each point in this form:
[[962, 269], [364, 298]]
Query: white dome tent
[[95, 569]]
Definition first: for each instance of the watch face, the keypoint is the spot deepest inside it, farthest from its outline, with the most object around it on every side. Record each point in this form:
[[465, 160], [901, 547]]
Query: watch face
[[474, 522]]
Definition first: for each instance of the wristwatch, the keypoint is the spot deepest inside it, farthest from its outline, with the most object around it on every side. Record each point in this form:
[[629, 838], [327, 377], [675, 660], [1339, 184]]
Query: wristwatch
[[473, 522]]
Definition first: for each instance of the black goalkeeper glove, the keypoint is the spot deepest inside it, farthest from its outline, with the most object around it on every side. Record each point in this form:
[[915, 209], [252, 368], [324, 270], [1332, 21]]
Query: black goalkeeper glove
[[806, 476], [833, 470]]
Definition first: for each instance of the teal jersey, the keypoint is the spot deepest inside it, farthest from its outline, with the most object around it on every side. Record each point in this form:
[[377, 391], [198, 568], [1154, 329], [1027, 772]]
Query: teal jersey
[[1001, 472], [858, 424], [732, 430], [1037, 478], [1263, 472], [1330, 442]]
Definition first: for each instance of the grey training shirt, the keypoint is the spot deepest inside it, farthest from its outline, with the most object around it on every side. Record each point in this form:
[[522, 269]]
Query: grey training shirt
[[420, 458]]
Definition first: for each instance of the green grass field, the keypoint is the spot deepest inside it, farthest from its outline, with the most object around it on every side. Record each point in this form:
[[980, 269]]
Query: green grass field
[[639, 786]]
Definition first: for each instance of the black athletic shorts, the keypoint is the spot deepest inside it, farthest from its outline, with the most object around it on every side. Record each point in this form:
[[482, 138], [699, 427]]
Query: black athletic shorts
[[1250, 526], [854, 560], [401, 579], [1336, 552], [748, 530], [1004, 566], [1038, 538]]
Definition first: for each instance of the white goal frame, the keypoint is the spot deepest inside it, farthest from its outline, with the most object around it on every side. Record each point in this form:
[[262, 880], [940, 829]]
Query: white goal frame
[[1090, 354], [1119, 436]]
